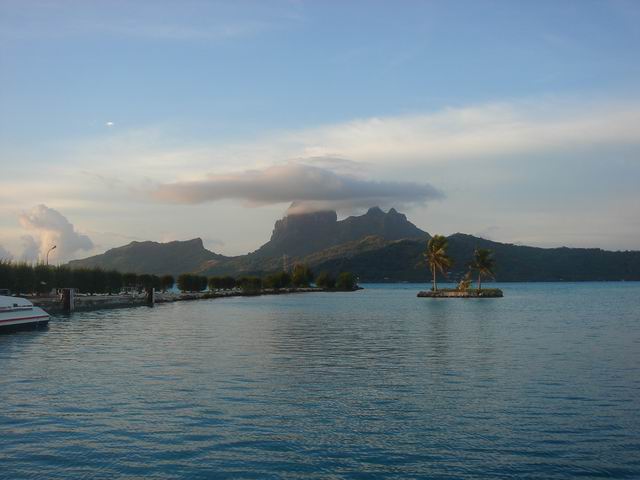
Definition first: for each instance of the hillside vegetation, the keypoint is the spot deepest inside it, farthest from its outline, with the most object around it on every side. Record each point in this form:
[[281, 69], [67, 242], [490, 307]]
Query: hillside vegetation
[[376, 246]]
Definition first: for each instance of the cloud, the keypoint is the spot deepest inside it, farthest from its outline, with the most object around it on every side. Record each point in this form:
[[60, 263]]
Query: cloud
[[476, 132], [505, 152], [310, 187], [141, 20], [335, 164], [49, 227], [5, 254], [394, 145], [183, 32], [30, 249]]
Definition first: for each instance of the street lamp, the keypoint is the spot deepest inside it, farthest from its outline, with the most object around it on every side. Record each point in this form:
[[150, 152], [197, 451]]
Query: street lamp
[[49, 251]]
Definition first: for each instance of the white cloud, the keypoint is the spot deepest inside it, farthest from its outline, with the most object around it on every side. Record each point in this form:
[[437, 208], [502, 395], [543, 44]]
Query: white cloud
[[381, 144], [141, 20], [30, 249], [49, 227], [475, 132], [496, 155], [5, 254]]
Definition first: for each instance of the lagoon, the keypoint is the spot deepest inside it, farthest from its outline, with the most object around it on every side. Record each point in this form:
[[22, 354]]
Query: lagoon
[[541, 384]]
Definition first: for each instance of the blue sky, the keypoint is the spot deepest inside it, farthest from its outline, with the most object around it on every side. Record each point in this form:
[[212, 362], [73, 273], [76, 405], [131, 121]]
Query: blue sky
[[527, 110]]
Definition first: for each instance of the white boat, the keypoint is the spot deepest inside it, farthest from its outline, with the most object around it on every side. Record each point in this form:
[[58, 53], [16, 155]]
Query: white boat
[[18, 312]]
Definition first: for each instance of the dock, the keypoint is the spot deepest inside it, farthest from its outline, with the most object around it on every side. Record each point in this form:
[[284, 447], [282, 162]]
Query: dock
[[72, 302]]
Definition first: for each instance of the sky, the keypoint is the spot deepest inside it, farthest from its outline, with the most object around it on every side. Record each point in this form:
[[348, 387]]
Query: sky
[[155, 120]]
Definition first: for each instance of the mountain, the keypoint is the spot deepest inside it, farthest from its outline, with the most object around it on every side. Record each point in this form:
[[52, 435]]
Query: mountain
[[519, 262], [153, 257], [377, 246], [253, 264], [404, 261], [302, 234], [313, 237]]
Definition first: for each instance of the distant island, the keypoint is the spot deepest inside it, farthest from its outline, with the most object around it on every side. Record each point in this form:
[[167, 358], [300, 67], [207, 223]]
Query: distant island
[[377, 246], [482, 264]]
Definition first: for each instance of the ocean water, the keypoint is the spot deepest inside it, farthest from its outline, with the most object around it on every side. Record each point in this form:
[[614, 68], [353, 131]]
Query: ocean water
[[544, 384]]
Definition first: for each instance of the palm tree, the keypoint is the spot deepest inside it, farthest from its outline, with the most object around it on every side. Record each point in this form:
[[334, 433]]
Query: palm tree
[[465, 282], [437, 256], [484, 263]]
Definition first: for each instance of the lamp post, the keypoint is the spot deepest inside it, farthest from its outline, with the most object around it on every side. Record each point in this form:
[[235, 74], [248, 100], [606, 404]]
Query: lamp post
[[49, 251]]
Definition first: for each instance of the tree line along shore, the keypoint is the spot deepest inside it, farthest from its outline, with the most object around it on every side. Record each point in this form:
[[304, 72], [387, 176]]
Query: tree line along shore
[[23, 278]]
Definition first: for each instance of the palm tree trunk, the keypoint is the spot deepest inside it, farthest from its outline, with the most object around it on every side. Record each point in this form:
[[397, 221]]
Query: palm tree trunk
[[435, 287], [479, 281]]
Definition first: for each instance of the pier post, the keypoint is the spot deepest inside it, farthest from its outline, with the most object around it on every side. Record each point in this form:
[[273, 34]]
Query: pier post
[[68, 300], [151, 296]]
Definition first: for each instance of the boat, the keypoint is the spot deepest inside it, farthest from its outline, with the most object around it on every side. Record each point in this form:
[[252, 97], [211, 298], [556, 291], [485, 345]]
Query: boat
[[16, 313]]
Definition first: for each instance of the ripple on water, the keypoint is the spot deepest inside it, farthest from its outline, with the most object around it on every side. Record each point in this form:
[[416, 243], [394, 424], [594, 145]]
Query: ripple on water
[[543, 384]]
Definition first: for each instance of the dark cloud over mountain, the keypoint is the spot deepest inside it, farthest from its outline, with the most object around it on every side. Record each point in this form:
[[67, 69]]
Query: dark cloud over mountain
[[310, 187]]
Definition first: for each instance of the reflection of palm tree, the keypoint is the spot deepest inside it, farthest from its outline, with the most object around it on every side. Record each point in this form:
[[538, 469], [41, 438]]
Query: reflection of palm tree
[[437, 256], [484, 263]]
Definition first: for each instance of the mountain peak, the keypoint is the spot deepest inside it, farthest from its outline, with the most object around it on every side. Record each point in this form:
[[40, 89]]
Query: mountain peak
[[310, 220], [197, 243], [300, 234], [317, 214], [375, 211]]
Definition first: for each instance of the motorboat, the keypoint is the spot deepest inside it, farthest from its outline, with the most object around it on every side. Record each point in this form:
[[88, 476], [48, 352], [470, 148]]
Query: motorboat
[[16, 312]]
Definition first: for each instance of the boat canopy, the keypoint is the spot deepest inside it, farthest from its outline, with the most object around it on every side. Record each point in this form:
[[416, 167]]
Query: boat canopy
[[14, 302]]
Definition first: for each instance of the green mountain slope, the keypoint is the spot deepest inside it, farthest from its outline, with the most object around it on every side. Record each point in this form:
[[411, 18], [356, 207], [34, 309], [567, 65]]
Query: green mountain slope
[[404, 261], [377, 246], [153, 257], [256, 265]]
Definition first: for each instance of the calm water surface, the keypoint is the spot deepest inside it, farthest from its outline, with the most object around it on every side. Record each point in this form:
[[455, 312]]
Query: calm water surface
[[544, 383]]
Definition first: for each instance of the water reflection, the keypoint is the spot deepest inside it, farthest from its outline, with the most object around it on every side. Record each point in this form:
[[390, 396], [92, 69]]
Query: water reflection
[[539, 384]]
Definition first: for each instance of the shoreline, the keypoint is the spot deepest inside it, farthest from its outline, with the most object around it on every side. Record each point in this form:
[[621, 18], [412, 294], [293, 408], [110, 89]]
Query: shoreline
[[451, 293], [88, 303]]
